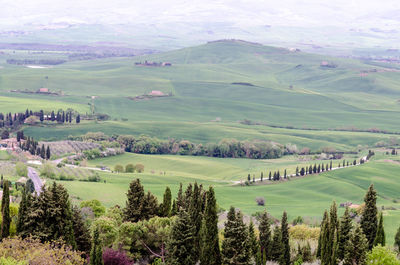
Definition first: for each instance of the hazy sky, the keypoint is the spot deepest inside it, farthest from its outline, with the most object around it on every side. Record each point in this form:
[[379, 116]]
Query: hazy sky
[[359, 13]]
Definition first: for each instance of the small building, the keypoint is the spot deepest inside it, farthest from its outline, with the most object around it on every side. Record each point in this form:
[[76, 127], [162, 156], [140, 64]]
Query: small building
[[156, 93], [43, 90]]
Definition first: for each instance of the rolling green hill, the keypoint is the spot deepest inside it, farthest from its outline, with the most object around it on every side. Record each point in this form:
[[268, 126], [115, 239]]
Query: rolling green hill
[[225, 81]]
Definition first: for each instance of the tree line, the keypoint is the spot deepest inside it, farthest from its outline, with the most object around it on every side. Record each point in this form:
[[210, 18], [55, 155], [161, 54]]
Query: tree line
[[255, 149]]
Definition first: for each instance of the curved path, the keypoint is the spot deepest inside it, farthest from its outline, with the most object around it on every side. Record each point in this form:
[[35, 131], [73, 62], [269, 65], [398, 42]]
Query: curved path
[[34, 176]]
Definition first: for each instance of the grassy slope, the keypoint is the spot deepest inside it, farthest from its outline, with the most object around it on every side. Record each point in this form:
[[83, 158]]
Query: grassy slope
[[316, 192], [289, 89]]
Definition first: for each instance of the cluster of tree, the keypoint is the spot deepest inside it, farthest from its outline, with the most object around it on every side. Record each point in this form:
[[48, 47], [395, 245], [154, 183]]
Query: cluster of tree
[[129, 168], [35, 61], [14, 121], [341, 241], [32, 146], [184, 230], [225, 148]]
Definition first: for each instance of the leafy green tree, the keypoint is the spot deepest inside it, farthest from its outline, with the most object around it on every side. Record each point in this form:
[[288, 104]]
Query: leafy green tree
[[22, 169], [285, 256], [265, 235], [130, 168], [96, 206], [96, 253], [380, 233], [166, 205], [119, 168], [182, 241], [235, 246], [210, 251], [369, 219], [346, 226], [5, 210], [381, 255], [356, 250]]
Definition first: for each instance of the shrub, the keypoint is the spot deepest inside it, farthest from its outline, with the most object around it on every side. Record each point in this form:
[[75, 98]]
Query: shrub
[[115, 257], [96, 206], [94, 178], [382, 256], [31, 251], [130, 168], [298, 220], [48, 170], [139, 168], [303, 232], [119, 168], [260, 201]]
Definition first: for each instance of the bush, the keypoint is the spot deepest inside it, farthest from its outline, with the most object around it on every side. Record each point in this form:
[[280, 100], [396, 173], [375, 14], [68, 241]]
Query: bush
[[260, 201], [119, 168], [130, 168], [115, 257], [32, 252], [96, 206], [139, 168], [382, 256], [298, 220], [303, 232], [48, 170]]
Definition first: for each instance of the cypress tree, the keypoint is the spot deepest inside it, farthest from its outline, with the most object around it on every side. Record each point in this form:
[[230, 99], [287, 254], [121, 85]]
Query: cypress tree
[[181, 243], [285, 256], [42, 152], [166, 205], [196, 214], [344, 233], [235, 246], [5, 210], [248, 178], [253, 242], [380, 233], [265, 235], [284, 174], [174, 209], [397, 239], [369, 219], [134, 204], [297, 171], [78, 118], [270, 177], [333, 234], [149, 207], [48, 155], [180, 200], [323, 168], [210, 252], [24, 208], [96, 253], [319, 169], [323, 236], [330, 167], [276, 246], [261, 176], [357, 248], [81, 231]]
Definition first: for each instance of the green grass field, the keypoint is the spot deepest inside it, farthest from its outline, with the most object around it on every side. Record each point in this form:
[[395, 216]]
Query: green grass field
[[308, 196], [288, 89]]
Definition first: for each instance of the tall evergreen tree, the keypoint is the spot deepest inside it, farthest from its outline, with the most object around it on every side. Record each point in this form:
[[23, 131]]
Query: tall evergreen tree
[[181, 243], [285, 256], [323, 236], [180, 200], [174, 209], [48, 154], [24, 207], [81, 231], [5, 210], [166, 205], [333, 234], [357, 248], [397, 239], [276, 245], [96, 253], [43, 152], [235, 246], [369, 219], [346, 227], [265, 235], [380, 233], [210, 252], [196, 214], [253, 242], [78, 118], [134, 204]]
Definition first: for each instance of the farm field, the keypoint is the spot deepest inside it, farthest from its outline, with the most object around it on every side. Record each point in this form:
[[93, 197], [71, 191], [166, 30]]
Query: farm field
[[226, 81], [315, 191]]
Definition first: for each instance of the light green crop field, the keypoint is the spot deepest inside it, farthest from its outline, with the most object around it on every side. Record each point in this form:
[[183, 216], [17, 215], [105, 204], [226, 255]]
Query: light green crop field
[[287, 89], [307, 196]]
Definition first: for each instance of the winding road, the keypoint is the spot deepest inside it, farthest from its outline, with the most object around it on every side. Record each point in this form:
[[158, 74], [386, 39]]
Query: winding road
[[37, 182]]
